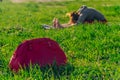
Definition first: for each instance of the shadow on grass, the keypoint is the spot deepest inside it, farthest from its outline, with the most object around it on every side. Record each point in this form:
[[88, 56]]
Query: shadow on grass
[[42, 73], [56, 71], [48, 72]]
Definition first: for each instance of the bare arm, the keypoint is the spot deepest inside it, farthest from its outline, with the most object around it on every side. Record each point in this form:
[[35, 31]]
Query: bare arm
[[67, 25]]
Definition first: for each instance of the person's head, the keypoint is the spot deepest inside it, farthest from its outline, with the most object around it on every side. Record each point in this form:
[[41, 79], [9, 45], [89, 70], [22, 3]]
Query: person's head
[[73, 17]]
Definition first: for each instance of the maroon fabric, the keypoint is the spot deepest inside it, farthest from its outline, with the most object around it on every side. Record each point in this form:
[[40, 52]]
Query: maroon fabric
[[42, 51], [91, 21], [103, 21]]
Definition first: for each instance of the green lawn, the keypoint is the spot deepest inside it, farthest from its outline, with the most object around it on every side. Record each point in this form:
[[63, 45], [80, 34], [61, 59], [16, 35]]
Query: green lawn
[[93, 50]]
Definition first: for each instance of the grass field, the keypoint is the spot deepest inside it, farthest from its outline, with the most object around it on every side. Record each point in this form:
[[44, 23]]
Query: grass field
[[93, 51]]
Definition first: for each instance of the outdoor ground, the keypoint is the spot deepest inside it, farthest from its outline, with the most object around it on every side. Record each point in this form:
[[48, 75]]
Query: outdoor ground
[[93, 50], [19, 1]]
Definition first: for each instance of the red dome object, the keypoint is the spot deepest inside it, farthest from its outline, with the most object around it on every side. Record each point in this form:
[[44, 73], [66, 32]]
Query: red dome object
[[41, 51]]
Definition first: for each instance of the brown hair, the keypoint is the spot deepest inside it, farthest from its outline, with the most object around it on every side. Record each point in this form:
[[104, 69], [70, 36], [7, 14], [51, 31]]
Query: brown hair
[[73, 17]]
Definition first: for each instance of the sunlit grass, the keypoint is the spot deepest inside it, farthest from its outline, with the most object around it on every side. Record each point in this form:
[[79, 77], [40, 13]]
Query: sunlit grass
[[93, 51]]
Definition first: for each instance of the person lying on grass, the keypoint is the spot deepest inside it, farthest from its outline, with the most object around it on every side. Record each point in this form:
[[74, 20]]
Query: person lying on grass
[[83, 15], [56, 24]]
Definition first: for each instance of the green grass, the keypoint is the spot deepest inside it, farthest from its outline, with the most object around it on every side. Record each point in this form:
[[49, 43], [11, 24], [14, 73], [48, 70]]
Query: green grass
[[93, 51]]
